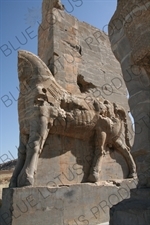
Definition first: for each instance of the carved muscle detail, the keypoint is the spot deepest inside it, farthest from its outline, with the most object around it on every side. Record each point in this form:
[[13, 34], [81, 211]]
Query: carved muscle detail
[[49, 109]]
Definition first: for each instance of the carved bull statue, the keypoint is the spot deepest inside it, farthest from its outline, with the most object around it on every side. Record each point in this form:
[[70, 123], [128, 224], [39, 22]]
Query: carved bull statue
[[129, 36], [45, 108]]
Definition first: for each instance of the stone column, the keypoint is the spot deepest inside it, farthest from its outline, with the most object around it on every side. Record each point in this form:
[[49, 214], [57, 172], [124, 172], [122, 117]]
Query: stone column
[[129, 35], [130, 41]]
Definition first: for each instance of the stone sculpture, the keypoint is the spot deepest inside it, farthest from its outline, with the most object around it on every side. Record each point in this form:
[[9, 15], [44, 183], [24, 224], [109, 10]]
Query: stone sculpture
[[45, 107], [129, 36]]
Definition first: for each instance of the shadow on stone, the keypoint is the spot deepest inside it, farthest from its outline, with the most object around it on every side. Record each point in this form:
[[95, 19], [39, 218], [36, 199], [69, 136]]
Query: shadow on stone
[[132, 211]]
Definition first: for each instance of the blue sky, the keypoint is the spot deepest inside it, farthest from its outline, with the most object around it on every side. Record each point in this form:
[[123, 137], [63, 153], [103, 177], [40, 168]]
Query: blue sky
[[17, 17]]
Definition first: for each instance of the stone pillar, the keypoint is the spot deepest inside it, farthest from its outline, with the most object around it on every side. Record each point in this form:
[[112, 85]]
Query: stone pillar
[[130, 41], [129, 36], [79, 56]]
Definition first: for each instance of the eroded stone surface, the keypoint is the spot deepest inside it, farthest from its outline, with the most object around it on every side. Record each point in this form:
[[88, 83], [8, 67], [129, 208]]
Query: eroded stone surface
[[80, 58], [45, 109], [129, 35], [73, 50], [68, 119], [77, 169], [133, 211], [66, 205], [58, 105]]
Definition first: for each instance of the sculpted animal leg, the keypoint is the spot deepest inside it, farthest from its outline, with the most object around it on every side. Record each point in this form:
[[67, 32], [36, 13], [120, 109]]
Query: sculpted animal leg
[[100, 139], [20, 161], [38, 134], [124, 150]]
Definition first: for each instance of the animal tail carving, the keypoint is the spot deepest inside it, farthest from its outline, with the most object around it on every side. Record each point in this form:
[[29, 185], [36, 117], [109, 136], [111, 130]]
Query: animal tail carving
[[126, 133]]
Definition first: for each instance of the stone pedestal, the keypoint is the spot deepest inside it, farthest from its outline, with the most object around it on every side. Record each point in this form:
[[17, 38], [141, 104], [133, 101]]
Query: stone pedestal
[[133, 211], [76, 204]]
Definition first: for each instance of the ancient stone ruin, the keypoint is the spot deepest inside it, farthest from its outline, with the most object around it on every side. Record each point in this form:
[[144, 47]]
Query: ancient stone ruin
[[130, 41], [74, 158], [47, 111]]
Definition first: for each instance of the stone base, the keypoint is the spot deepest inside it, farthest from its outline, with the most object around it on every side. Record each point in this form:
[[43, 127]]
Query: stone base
[[133, 211], [76, 204], [107, 223]]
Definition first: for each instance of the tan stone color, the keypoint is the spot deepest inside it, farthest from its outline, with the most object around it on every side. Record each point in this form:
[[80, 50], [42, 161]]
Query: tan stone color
[[45, 107], [129, 35]]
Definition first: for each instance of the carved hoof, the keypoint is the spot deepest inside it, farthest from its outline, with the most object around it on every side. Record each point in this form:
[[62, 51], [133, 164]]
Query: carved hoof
[[25, 180], [13, 183], [132, 175], [93, 177]]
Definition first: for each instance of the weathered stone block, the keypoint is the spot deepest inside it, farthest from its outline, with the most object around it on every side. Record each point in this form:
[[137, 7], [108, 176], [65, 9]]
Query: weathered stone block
[[66, 205]]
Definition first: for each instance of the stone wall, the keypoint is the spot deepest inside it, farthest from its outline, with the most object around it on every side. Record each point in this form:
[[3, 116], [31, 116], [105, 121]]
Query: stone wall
[[129, 32], [79, 56]]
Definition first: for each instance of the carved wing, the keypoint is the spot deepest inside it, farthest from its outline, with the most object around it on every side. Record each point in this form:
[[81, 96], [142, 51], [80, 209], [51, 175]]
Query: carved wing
[[34, 76], [37, 85]]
